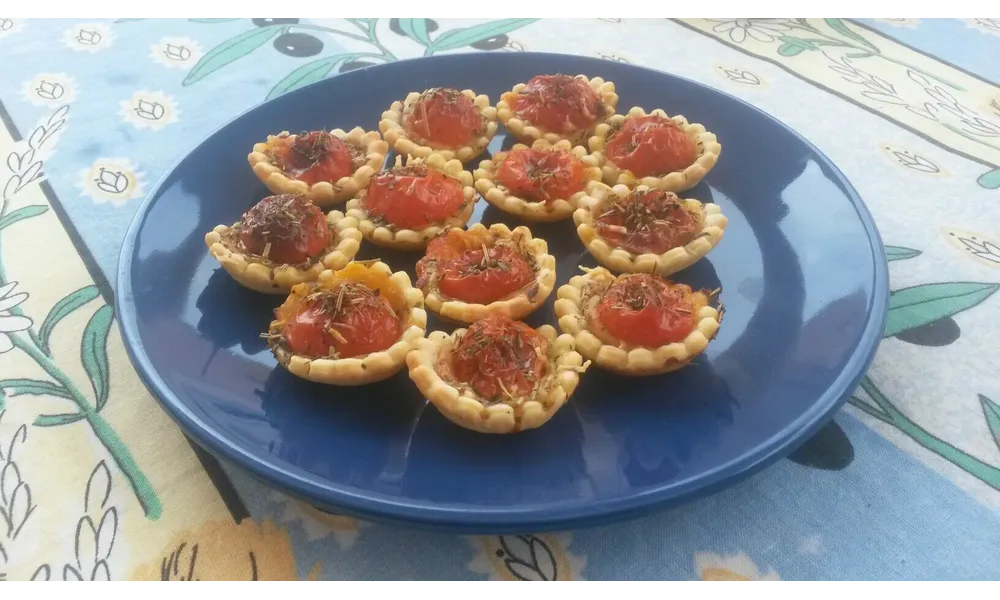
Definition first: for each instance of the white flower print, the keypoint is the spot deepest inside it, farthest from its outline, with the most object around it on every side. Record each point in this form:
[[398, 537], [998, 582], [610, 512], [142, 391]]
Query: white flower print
[[88, 37], [10, 26], [154, 110], [974, 245], [762, 30], [176, 52], [984, 25], [50, 89], [908, 23], [10, 323], [738, 567], [113, 180]]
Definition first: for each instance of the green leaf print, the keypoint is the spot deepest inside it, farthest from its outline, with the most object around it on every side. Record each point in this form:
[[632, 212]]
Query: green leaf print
[[308, 73], [990, 180], [912, 307], [25, 212], [840, 27], [416, 29], [63, 308], [992, 412], [56, 420], [33, 387], [793, 46], [899, 253], [458, 38], [230, 50], [94, 352]]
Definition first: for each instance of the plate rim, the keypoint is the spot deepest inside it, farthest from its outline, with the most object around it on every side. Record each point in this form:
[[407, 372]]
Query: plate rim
[[373, 506]]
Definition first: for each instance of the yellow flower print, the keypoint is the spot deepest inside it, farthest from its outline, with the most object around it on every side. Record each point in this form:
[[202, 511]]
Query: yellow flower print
[[526, 558], [317, 524], [225, 551], [738, 567]]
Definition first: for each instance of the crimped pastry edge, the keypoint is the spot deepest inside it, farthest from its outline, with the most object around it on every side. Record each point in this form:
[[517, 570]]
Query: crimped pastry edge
[[269, 279], [678, 181], [323, 194]]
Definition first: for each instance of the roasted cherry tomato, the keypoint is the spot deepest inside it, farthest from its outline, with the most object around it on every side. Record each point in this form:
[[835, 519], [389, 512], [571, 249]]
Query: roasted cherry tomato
[[652, 221], [363, 323], [413, 197], [651, 145], [541, 175], [316, 156], [499, 358], [559, 103], [644, 310], [285, 229], [445, 116]]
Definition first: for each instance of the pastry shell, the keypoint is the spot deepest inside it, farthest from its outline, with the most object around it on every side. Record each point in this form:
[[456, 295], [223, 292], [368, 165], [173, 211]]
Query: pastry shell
[[553, 210], [576, 299], [370, 367], [323, 193], [527, 132], [462, 406], [517, 306], [267, 278], [410, 239], [713, 226], [678, 181], [406, 143]]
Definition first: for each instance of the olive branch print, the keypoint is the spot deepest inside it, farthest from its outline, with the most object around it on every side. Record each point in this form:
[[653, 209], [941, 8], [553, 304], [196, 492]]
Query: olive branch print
[[26, 166], [918, 307]]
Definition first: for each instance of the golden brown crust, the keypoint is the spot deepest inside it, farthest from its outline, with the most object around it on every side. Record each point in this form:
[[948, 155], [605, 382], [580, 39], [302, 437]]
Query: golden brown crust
[[528, 132], [577, 300], [516, 306], [462, 406], [369, 368], [322, 194], [410, 239], [555, 209], [265, 277], [708, 146], [712, 227], [407, 143]]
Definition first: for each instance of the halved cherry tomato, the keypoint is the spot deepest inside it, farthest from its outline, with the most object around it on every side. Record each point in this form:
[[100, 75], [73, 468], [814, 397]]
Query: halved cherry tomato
[[445, 116], [651, 221], [315, 156], [541, 175], [559, 103], [644, 310], [285, 229], [651, 145], [497, 357], [413, 197], [365, 323]]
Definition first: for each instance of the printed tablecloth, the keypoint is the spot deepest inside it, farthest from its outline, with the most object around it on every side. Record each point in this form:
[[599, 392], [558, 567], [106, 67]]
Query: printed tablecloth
[[96, 482]]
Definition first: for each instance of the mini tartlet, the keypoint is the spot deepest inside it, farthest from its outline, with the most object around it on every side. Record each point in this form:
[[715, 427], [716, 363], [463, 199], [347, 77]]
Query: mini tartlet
[[497, 376], [646, 230], [406, 206], [328, 167], [468, 274], [282, 241], [541, 183], [455, 124], [636, 324], [630, 140], [557, 107], [350, 327]]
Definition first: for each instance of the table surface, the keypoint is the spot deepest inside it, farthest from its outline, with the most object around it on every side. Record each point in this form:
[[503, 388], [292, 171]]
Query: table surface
[[96, 482]]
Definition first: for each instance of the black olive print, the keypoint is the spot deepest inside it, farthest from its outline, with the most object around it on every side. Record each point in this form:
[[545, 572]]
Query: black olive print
[[830, 450], [266, 22], [355, 64], [936, 333], [299, 45], [494, 43], [432, 26]]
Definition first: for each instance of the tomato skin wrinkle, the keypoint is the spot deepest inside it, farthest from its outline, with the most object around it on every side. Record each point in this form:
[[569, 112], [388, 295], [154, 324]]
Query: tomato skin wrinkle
[[644, 310], [541, 175], [413, 198], [285, 229], [464, 274], [315, 156], [364, 323], [499, 358], [649, 221], [445, 116], [559, 103], [650, 145]]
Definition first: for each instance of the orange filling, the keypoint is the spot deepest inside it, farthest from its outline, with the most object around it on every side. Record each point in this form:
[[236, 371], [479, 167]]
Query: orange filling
[[541, 175], [651, 221], [413, 197], [645, 310], [285, 229], [651, 145], [315, 156], [499, 358], [558, 103], [445, 116], [474, 268]]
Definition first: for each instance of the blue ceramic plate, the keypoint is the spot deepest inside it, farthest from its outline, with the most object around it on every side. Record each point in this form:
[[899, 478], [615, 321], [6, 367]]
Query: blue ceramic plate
[[804, 282]]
